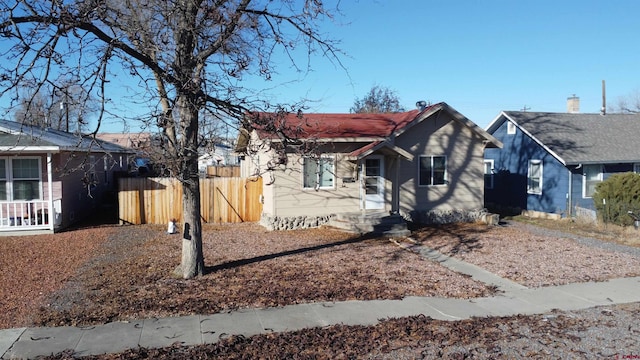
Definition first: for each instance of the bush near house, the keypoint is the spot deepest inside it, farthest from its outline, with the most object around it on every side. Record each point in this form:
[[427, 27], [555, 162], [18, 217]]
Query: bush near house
[[616, 196]]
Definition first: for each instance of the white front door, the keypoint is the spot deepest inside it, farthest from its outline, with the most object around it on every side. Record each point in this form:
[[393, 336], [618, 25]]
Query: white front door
[[373, 182]]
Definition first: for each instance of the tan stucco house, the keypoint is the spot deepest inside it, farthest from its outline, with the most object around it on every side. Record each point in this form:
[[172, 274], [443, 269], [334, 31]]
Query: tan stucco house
[[419, 164], [50, 179]]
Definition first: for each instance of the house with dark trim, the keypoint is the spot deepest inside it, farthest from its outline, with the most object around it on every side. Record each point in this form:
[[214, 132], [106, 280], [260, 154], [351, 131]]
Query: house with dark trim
[[551, 162]]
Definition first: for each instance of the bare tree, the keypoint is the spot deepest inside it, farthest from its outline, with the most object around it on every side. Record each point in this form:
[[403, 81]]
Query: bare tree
[[189, 56], [62, 106], [629, 104], [378, 100]]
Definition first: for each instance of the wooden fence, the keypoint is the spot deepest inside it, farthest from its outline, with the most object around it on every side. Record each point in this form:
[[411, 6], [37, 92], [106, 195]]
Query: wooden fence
[[223, 171], [157, 200]]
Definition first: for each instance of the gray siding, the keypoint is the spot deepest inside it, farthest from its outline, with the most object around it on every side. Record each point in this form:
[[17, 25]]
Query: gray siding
[[442, 136]]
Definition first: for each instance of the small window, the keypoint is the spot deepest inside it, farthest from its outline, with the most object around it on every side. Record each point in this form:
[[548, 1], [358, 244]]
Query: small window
[[534, 178], [488, 174], [433, 170], [511, 128], [592, 176], [26, 178], [636, 168], [318, 173]]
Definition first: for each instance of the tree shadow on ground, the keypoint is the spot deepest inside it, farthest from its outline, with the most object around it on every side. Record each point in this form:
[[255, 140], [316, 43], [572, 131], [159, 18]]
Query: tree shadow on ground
[[463, 237], [257, 259]]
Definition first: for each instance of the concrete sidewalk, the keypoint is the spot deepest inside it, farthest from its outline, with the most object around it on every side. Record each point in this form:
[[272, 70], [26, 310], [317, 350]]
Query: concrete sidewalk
[[24, 343]]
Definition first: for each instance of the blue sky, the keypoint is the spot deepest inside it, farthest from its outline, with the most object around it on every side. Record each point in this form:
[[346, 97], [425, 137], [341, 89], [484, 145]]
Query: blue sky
[[481, 57]]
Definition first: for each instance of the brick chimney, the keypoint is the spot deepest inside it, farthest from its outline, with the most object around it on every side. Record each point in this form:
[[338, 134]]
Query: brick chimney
[[573, 104]]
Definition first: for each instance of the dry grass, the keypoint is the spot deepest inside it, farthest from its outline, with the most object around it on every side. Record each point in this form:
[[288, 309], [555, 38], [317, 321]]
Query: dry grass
[[606, 232]]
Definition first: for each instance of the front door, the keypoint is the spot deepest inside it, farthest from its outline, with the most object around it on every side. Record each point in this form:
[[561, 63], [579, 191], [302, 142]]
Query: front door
[[373, 182]]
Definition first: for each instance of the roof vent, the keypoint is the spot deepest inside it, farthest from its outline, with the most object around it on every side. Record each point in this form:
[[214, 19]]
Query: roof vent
[[421, 105], [573, 104]]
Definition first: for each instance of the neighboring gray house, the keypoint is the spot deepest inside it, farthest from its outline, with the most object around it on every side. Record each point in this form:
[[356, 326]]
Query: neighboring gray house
[[50, 179], [551, 162], [412, 163]]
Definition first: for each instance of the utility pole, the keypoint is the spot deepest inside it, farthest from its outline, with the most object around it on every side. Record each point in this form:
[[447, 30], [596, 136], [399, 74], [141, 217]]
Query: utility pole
[[64, 105]]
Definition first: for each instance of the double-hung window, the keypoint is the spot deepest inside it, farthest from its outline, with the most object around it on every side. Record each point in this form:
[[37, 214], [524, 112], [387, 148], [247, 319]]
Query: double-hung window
[[592, 175], [318, 173], [20, 179], [433, 170], [534, 177], [3, 179]]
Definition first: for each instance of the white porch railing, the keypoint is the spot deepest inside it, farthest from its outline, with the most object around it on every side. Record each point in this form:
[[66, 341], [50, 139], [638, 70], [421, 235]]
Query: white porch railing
[[26, 215]]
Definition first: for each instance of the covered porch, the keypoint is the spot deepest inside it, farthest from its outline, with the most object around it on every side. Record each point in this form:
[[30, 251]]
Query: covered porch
[[26, 188], [375, 182]]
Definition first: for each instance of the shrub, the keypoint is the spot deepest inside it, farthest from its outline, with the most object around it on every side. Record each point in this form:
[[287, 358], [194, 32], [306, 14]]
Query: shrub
[[616, 196]]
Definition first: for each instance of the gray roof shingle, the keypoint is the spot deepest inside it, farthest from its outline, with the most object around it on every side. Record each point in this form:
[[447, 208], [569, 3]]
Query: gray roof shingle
[[584, 138], [17, 134]]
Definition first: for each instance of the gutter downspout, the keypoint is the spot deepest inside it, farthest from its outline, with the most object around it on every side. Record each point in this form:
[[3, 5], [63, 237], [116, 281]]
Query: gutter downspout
[[570, 195]]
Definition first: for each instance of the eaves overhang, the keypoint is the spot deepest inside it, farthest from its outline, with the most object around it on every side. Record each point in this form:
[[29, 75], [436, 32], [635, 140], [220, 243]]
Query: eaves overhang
[[383, 146], [29, 149]]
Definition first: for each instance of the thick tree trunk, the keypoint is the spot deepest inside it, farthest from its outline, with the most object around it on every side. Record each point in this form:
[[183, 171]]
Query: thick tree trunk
[[192, 256], [192, 263]]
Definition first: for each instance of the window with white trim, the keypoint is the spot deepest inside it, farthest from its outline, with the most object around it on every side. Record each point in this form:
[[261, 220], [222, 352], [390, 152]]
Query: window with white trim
[[3, 179], [534, 177], [511, 128], [488, 174], [20, 179], [591, 176], [432, 170], [318, 173]]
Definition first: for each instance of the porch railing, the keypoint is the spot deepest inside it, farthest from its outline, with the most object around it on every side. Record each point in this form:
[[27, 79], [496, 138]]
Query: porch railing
[[25, 215]]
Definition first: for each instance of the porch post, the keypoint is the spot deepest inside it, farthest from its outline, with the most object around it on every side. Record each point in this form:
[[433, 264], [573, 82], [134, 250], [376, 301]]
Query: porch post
[[50, 188], [396, 187], [361, 191]]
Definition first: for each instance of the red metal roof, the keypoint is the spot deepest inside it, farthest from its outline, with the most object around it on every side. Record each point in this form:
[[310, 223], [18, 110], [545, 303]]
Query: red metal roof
[[330, 126]]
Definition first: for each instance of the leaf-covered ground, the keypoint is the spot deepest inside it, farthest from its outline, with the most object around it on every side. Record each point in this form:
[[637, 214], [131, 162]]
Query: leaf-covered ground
[[130, 276], [102, 274]]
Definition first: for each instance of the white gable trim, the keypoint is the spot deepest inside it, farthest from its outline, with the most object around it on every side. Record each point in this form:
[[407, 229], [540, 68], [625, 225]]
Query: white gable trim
[[495, 123], [30, 149], [556, 156]]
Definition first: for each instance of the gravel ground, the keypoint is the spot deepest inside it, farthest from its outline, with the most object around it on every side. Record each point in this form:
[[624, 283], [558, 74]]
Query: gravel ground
[[529, 255], [588, 241]]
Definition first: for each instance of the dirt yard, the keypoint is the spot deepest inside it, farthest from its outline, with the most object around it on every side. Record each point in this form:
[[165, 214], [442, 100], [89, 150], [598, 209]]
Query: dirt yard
[[110, 273]]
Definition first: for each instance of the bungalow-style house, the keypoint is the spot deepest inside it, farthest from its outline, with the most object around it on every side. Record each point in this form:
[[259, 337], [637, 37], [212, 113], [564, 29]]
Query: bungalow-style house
[[419, 164], [551, 162], [50, 179]]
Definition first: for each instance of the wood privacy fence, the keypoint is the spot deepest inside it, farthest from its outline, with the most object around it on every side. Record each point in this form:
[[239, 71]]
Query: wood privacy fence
[[157, 200], [223, 171]]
